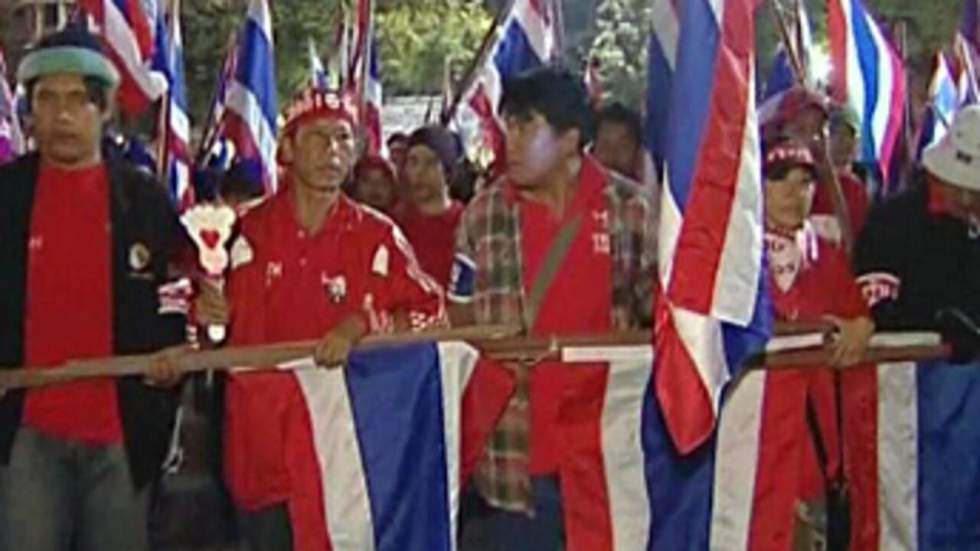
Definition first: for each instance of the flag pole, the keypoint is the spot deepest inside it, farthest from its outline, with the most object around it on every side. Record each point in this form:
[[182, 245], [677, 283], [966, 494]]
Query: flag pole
[[210, 125], [788, 43], [478, 61]]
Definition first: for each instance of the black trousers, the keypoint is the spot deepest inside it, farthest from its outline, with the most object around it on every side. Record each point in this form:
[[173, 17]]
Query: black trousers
[[267, 529]]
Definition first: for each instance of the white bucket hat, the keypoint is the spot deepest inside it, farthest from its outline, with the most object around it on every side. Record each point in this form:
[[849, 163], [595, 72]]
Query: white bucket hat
[[956, 158]]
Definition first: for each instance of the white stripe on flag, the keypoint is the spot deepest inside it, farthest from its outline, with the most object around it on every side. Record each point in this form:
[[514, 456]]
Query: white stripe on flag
[[737, 280], [630, 370], [538, 33], [242, 101], [671, 220], [120, 36], [855, 78], [736, 460], [345, 494], [705, 345], [898, 457], [883, 108], [457, 364], [666, 29]]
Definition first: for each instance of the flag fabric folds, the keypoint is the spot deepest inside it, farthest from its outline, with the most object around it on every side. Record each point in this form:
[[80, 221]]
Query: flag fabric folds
[[174, 125], [125, 29], [869, 77], [11, 138], [393, 435], [524, 39], [249, 117], [713, 307]]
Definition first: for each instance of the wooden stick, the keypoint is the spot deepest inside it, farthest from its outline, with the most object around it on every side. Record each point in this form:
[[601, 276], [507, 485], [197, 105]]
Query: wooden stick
[[502, 343], [228, 358]]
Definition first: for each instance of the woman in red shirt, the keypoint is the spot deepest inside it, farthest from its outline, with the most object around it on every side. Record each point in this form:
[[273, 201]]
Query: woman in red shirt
[[809, 280]]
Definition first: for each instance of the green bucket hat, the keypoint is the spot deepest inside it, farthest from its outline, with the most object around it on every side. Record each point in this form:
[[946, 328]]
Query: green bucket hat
[[72, 50]]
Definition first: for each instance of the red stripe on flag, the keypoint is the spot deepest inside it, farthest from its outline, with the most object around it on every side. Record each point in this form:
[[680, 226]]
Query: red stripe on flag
[[682, 395], [585, 496], [859, 391], [896, 113], [837, 35], [493, 135], [715, 180]]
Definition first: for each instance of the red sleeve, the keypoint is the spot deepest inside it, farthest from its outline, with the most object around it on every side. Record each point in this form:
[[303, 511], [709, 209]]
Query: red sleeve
[[401, 287], [846, 299]]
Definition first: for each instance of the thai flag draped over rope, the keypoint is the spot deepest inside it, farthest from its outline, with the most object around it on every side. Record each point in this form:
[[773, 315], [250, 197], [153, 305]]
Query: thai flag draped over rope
[[125, 29], [869, 77], [249, 117], [175, 128], [713, 309], [524, 39], [11, 138], [392, 436]]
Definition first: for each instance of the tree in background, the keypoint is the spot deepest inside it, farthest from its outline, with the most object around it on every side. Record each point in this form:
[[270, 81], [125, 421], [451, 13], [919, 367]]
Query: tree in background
[[620, 46]]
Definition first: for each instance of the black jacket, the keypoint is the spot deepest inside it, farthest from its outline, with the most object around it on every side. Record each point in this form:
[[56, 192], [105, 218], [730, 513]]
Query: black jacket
[[933, 259], [140, 215]]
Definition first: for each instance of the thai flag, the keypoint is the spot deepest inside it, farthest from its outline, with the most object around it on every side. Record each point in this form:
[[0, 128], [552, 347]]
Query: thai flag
[[214, 123], [869, 77], [373, 100], [944, 100], [524, 39], [393, 435], [966, 46], [126, 31], [249, 118], [175, 127], [11, 137], [921, 468], [318, 74], [713, 309], [662, 59]]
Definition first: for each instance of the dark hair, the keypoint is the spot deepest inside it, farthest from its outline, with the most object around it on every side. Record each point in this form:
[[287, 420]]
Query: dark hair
[[617, 113], [397, 136], [443, 142], [556, 93], [96, 90], [77, 36]]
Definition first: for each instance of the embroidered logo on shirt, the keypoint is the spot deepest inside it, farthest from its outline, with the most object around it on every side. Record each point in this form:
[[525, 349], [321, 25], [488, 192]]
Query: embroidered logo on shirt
[[878, 286], [336, 287], [273, 270], [35, 243], [600, 243], [139, 257]]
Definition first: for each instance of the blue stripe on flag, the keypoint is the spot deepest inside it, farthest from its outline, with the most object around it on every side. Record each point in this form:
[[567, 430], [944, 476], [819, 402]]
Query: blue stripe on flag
[[680, 488], [697, 51], [514, 54], [868, 60], [949, 456], [659, 79], [255, 70], [404, 455], [781, 77]]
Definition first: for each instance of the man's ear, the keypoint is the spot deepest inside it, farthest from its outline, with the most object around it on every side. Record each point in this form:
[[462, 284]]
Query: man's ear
[[284, 155], [570, 142]]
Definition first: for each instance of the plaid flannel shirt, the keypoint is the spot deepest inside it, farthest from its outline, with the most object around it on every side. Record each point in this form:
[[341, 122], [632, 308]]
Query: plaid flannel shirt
[[488, 275]]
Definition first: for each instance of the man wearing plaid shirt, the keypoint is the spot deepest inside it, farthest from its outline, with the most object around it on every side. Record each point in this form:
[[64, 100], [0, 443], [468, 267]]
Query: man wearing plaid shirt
[[561, 246]]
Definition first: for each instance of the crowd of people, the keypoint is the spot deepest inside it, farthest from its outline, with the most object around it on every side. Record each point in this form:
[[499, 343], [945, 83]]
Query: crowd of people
[[559, 238]]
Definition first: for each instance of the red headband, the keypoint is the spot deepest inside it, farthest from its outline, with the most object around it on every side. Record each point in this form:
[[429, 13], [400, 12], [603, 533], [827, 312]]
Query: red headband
[[313, 103], [790, 154]]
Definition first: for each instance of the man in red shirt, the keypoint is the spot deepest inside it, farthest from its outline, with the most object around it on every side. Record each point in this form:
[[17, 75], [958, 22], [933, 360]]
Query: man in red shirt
[[85, 246], [428, 216], [559, 245], [310, 264]]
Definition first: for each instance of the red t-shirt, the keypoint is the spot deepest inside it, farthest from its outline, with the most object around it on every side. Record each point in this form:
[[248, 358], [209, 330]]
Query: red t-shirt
[[432, 237], [69, 303], [578, 301]]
